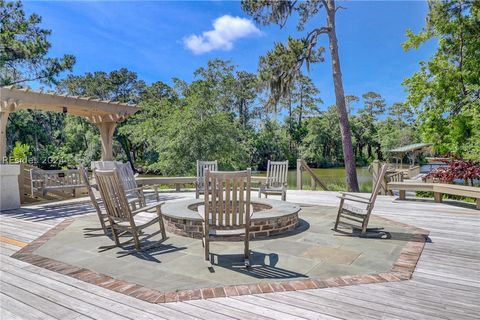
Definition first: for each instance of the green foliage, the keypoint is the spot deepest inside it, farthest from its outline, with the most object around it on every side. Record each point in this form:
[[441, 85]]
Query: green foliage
[[25, 47], [80, 143], [322, 145], [177, 126], [280, 68], [118, 85], [21, 152], [446, 90], [271, 143]]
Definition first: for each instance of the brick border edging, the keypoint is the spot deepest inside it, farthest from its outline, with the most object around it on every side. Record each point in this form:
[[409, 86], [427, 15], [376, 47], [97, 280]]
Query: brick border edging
[[402, 269]]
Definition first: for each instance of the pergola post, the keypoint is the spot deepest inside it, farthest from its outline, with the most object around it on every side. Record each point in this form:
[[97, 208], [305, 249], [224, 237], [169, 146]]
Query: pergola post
[[9, 190], [107, 128], [3, 135]]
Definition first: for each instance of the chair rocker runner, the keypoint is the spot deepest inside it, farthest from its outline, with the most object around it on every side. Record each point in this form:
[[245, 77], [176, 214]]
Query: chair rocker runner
[[226, 213], [122, 218], [277, 178], [201, 167], [361, 210]]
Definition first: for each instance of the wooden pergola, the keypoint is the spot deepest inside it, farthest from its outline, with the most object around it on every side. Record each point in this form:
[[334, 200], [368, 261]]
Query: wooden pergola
[[104, 114]]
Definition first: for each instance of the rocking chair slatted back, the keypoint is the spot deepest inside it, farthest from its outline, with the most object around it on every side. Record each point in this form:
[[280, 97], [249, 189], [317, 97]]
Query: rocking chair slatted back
[[227, 203], [201, 167], [113, 194], [378, 184], [126, 175], [277, 174]]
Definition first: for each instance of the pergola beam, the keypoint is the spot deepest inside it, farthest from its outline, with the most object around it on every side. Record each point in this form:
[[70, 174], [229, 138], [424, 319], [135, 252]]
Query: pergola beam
[[26, 99]]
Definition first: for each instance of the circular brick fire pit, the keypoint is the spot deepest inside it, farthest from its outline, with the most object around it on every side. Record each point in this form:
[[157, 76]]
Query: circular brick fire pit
[[270, 217]]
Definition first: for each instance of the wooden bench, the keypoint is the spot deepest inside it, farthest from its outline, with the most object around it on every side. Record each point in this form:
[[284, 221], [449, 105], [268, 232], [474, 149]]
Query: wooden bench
[[55, 180], [438, 189]]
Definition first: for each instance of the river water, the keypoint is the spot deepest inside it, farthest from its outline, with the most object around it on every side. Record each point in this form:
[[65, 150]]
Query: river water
[[334, 178]]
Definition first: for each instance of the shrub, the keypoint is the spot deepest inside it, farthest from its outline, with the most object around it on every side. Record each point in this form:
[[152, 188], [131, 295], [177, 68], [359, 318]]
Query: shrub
[[456, 169], [20, 152]]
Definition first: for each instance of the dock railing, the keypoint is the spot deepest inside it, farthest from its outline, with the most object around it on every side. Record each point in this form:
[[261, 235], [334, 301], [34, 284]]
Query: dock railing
[[314, 179]]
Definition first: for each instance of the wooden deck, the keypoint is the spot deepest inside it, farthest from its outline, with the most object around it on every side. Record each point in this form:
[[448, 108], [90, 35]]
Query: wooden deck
[[445, 285]]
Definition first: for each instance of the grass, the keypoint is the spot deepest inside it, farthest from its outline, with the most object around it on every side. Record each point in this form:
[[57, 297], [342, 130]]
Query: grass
[[429, 194]]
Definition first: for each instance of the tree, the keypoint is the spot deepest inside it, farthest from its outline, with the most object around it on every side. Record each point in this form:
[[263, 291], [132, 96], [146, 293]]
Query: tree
[[205, 119], [302, 101], [271, 11], [245, 93], [24, 48], [446, 90], [271, 143], [374, 105], [322, 145], [397, 130], [305, 96], [119, 85]]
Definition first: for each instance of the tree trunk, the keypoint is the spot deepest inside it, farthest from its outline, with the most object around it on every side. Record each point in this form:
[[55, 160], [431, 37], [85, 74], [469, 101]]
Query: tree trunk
[[300, 113], [290, 113], [348, 155], [126, 148]]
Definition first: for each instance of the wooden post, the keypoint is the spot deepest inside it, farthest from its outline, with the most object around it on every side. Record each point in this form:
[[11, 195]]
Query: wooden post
[[106, 135], [3, 135], [437, 196], [376, 168], [21, 182], [299, 174]]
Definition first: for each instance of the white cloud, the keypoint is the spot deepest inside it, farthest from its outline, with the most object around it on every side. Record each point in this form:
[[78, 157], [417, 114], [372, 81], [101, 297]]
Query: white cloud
[[226, 30]]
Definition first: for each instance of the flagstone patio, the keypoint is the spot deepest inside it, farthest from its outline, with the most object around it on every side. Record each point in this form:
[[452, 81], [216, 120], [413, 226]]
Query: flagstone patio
[[311, 251]]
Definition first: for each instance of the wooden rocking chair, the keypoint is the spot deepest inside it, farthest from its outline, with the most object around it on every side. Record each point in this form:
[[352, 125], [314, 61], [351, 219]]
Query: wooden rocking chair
[[96, 198], [135, 194], [121, 217], [277, 180], [227, 210], [201, 167], [359, 213]]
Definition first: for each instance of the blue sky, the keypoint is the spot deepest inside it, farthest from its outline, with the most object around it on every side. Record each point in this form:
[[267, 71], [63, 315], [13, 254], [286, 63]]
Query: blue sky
[[150, 39]]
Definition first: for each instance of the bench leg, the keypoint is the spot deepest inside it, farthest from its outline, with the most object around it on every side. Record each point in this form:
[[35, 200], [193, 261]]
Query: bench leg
[[478, 203], [437, 196], [402, 194]]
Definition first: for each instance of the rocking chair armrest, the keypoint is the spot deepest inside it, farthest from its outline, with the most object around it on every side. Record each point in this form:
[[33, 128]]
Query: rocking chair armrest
[[344, 197], [347, 194], [134, 200], [137, 189], [147, 208]]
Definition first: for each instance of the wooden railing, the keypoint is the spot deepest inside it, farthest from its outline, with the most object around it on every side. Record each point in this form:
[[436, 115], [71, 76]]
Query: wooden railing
[[314, 179], [394, 174], [178, 182], [413, 171]]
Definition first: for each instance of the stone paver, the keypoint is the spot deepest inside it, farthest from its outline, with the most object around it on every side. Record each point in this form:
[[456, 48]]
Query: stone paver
[[312, 256]]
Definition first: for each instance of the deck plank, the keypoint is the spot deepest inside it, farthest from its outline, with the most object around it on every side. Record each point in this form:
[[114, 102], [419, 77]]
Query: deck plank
[[445, 285]]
